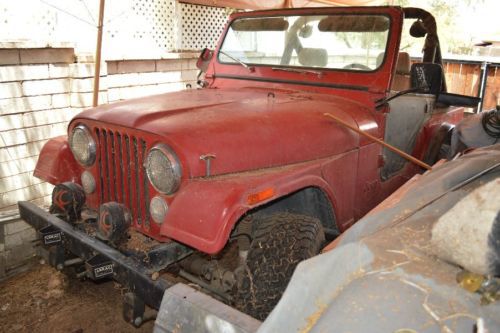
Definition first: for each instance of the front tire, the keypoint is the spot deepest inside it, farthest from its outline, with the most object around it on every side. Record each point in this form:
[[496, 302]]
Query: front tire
[[279, 242]]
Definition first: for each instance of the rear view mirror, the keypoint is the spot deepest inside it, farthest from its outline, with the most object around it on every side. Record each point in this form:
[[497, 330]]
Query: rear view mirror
[[204, 59]]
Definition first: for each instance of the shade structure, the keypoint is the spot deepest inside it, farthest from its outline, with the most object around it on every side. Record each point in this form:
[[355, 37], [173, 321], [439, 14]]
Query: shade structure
[[275, 4]]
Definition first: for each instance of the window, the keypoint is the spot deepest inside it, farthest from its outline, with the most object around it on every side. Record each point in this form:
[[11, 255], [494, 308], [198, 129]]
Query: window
[[353, 42]]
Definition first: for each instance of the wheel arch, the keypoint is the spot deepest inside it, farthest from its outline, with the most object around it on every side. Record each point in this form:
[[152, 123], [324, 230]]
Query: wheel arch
[[311, 201]]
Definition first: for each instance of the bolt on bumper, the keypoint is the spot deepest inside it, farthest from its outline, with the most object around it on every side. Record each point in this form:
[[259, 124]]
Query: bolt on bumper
[[110, 262], [180, 308]]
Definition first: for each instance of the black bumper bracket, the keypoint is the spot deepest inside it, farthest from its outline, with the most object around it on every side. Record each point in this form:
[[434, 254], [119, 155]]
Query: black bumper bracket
[[50, 235]]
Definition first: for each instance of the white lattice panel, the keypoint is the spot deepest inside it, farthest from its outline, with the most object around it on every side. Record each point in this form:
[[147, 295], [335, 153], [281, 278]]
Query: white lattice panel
[[201, 26], [165, 26], [144, 24], [22, 20], [132, 28]]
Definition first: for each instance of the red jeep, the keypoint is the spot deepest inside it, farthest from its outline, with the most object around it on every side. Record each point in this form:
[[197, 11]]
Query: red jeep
[[230, 185]]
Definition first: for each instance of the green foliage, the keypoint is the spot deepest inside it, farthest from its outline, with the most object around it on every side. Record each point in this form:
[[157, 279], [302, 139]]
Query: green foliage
[[452, 18]]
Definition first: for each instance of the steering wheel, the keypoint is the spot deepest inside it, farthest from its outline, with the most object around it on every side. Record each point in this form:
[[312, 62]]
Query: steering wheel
[[356, 65]]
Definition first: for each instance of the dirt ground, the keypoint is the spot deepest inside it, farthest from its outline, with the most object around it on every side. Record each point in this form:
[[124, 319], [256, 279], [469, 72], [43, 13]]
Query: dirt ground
[[44, 300]]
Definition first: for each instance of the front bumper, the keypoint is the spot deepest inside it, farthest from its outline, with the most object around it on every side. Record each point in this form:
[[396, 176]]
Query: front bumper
[[181, 309], [128, 271]]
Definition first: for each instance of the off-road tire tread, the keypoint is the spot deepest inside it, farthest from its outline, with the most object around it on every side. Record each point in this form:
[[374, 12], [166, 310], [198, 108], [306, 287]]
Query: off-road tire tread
[[279, 243]]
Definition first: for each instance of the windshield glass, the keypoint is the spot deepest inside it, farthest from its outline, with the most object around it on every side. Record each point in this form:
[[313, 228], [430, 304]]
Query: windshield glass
[[354, 42]]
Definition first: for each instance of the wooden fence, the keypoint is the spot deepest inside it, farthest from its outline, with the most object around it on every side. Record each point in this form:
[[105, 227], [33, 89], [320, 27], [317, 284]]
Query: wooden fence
[[463, 77]]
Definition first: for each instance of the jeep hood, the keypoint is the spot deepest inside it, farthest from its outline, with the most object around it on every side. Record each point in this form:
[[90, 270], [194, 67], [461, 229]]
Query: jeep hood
[[245, 129]]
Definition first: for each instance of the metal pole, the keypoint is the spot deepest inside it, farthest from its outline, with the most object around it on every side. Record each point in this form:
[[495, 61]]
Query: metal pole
[[482, 86], [97, 72]]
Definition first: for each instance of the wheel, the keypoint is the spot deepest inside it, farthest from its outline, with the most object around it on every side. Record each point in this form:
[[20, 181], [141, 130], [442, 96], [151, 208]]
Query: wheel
[[279, 243], [356, 65]]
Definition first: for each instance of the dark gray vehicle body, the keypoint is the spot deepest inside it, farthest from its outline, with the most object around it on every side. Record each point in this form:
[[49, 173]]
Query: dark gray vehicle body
[[382, 277]]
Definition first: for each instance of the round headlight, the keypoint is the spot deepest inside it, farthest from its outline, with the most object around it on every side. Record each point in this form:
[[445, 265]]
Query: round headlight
[[163, 169], [158, 209], [82, 145]]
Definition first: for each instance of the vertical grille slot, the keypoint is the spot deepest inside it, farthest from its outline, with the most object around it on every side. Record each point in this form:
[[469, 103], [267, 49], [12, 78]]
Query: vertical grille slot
[[99, 164], [106, 165], [137, 182], [121, 175], [112, 156], [120, 168], [145, 186], [129, 175]]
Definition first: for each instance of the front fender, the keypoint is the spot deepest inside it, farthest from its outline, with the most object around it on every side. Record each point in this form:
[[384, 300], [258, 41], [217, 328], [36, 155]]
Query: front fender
[[203, 214], [56, 163]]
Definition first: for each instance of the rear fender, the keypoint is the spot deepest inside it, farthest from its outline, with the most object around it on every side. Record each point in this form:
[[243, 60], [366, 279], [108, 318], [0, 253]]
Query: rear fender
[[430, 132], [56, 163], [203, 214]]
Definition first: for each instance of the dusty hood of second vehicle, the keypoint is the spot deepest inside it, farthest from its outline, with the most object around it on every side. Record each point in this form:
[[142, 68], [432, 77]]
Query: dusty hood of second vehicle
[[245, 129]]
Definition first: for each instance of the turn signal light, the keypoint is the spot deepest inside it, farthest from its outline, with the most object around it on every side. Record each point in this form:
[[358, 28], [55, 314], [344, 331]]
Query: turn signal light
[[255, 198]]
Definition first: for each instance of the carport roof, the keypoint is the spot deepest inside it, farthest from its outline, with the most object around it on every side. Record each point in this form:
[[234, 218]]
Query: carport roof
[[275, 4]]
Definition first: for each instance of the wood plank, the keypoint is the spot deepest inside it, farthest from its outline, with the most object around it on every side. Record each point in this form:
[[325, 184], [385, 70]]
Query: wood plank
[[492, 92], [466, 81]]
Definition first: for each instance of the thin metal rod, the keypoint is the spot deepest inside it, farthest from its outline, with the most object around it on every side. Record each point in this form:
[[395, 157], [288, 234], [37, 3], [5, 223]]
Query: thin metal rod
[[97, 72], [388, 146], [482, 86], [68, 13], [72, 262]]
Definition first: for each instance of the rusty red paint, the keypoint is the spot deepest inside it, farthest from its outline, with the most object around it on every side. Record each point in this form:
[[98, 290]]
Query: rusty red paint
[[56, 163]]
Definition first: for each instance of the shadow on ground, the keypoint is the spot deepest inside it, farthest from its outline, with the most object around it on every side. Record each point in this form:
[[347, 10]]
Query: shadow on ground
[[45, 300]]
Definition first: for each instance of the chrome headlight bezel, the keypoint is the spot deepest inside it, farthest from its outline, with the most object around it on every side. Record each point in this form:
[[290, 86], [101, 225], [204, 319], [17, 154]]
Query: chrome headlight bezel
[[91, 146], [175, 167]]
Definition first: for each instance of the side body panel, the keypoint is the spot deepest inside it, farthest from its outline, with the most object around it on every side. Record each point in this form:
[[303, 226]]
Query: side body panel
[[204, 212]]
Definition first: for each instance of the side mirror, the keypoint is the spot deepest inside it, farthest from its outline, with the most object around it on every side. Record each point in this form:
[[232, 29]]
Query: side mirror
[[204, 59], [427, 76]]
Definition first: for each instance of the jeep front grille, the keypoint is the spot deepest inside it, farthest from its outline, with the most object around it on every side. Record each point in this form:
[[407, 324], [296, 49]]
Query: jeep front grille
[[121, 175]]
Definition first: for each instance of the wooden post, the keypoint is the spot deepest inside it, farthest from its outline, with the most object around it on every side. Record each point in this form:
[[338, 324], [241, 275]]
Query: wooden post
[[388, 146], [97, 72]]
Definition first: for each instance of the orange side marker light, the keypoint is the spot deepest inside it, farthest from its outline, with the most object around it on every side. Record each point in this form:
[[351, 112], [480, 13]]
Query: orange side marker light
[[255, 198]]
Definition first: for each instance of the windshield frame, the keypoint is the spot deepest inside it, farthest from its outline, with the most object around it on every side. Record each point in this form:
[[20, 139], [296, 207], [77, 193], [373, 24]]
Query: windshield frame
[[322, 69]]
